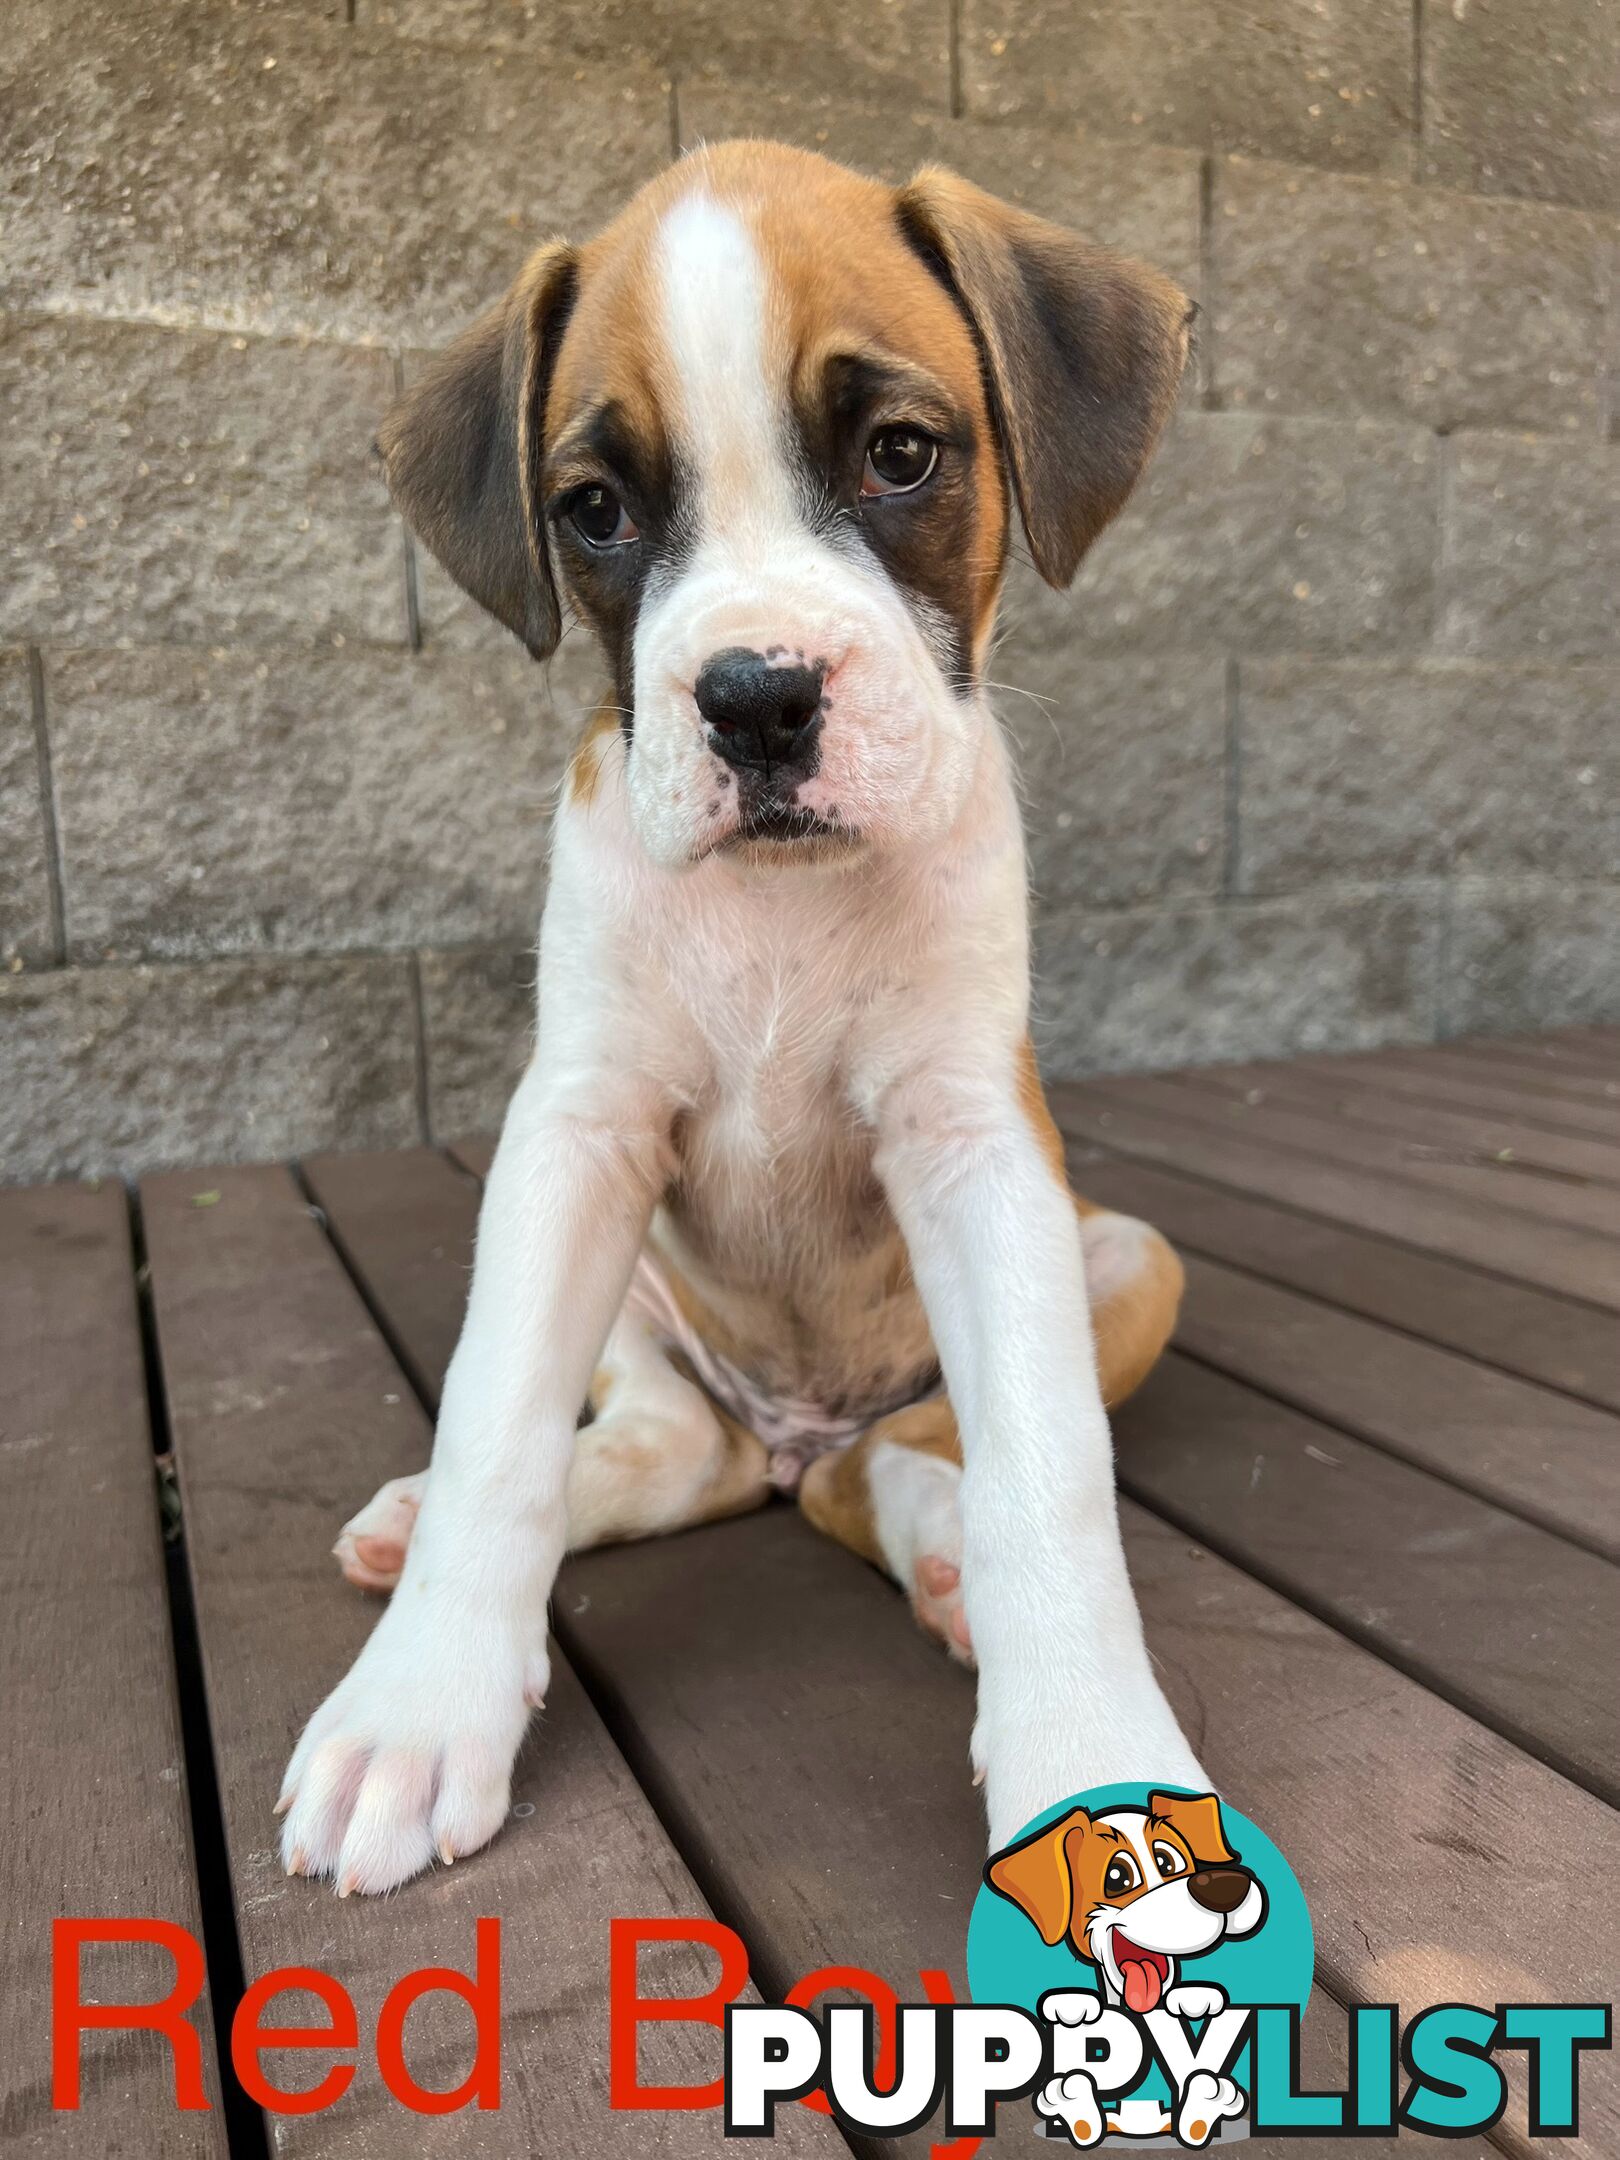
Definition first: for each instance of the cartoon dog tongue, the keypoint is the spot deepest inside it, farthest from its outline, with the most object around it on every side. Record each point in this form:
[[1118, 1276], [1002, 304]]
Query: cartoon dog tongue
[[1142, 1974]]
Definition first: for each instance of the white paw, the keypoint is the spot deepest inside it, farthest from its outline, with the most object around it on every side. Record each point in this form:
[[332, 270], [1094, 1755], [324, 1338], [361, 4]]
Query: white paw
[[1193, 2001], [1070, 2006], [371, 1545], [919, 1528], [410, 1757], [1206, 2102], [1072, 2101]]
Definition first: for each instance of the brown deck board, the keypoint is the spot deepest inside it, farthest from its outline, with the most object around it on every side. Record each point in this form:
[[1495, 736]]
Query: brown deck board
[[92, 1767], [1575, 1263], [1542, 1455], [1596, 1042], [1585, 1054], [1597, 1038], [1511, 1146], [1503, 1191], [834, 1814], [419, 1282], [1521, 1066], [1494, 1613], [287, 1410], [474, 1154], [1510, 1325], [1406, 1076]]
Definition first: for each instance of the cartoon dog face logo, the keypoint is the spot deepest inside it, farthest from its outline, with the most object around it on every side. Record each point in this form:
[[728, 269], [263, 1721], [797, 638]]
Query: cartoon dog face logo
[[1134, 1890]]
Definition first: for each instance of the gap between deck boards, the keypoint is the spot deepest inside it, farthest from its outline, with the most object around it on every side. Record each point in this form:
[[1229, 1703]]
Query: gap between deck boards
[[247, 2134]]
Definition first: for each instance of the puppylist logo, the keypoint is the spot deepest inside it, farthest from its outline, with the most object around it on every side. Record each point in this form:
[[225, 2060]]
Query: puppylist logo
[[1139, 1961], [1158, 1937]]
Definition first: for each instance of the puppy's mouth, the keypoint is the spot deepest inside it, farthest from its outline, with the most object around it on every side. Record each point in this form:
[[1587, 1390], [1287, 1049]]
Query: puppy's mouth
[[1143, 1974], [782, 821], [770, 830]]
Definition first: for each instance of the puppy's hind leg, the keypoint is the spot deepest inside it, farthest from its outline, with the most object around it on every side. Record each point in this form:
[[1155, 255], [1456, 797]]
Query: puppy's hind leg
[[658, 1457], [892, 1498], [1134, 1282]]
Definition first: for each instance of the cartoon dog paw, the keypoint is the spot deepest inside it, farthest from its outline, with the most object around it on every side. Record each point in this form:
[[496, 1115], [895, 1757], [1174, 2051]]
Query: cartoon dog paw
[[1206, 2102], [1070, 2006], [1072, 2101], [1194, 2001]]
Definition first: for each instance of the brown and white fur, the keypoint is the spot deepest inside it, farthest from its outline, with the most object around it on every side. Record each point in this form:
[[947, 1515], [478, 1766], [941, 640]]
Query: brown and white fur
[[783, 1012]]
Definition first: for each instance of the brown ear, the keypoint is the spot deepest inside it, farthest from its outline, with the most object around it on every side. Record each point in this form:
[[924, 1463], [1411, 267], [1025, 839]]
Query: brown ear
[[1035, 1875], [1083, 349], [1198, 1822], [463, 448]]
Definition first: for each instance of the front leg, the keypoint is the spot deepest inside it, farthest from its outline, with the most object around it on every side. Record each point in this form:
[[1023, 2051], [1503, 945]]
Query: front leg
[[1067, 1695], [411, 1755]]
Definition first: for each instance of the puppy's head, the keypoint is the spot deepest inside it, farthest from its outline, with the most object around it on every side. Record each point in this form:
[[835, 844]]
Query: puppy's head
[[764, 433], [1134, 1890]]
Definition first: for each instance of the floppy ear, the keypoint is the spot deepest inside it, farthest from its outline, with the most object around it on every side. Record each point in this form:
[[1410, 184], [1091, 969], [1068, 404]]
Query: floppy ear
[[463, 448], [1199, 1823], [1035, 1875], [1083, 350]]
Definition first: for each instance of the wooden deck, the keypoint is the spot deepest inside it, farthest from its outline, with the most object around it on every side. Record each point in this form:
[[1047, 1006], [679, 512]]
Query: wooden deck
[[1372, 1508]]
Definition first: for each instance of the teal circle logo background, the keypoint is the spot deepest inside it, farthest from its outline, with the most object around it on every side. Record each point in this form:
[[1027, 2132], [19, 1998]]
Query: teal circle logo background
[[1007, 1961]]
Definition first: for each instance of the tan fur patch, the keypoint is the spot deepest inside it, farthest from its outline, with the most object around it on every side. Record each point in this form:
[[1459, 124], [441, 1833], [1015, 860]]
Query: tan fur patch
[[1133, 1326], [1032, 1101], [835, 1493], [585, 766]]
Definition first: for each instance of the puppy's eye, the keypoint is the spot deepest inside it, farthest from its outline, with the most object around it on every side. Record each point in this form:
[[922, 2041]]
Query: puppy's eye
[[1121, 1876], [600, 518], [1168, 1860], [898, 459]]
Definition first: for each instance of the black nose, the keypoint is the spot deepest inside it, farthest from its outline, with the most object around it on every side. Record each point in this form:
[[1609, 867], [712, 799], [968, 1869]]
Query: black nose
[[1220, 1889], [761, 713]]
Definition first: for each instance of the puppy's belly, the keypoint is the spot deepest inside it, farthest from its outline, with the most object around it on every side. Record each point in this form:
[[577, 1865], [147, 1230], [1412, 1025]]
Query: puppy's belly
[[820, 1307]]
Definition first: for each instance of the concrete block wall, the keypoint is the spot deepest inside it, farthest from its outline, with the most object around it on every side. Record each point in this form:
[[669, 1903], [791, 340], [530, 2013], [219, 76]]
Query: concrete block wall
[[1322, 750]]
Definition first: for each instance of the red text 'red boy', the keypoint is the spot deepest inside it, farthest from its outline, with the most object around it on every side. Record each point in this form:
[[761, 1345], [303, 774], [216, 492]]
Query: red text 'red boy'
[[252, 2035]]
